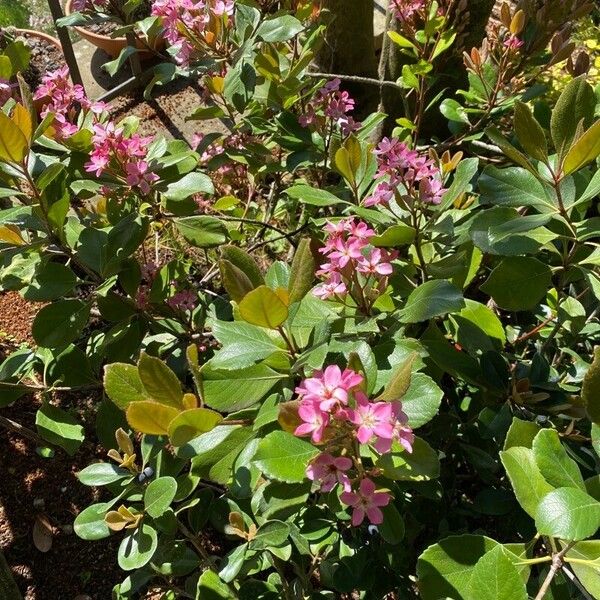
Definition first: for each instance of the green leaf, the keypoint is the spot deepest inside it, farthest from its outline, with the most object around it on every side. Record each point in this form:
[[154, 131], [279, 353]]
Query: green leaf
[[51, 281], [284, 457], [188, 185], [590, 388], [89, 523], [575, 104], [99, 474], [137, 548], [392, 530], [211, 587], [495, 577], [113, 66], [158, 496], [243, 261], [263, 307], [521, 433], [478, 328], [123, 385], [431, 299], [302, 272], [509, 150], [589, 574], [422, 400], [529, 132], [279, 29], [396, 235], [585, 150], [235, 281], [202, 231], [13, 144], [444, 570], [399, 382], [518, 283], [60, 323], [191, 423], [271, 534], [243, 345], [222, 388], [568, 513], [528, 483], [556, 466], [422, 464], [59, 427], [513, 187], [160, 383], [314, 196]]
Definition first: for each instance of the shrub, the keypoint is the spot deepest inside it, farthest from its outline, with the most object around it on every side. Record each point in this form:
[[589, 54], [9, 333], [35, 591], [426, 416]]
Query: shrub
[[331, 362]]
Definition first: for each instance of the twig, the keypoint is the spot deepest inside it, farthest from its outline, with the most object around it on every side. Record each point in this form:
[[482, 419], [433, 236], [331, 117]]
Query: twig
[[355, 79], [557, 565]]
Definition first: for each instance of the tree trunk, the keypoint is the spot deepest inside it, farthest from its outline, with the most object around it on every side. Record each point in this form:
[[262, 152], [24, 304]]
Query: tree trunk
[[472, 20], [349, 48]]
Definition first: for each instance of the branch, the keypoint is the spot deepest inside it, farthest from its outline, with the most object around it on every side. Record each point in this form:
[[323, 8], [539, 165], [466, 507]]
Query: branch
[[557, 564], [355, 79]]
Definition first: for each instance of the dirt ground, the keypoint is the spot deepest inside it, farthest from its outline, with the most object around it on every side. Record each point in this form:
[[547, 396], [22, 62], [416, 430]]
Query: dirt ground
[[36, 488]]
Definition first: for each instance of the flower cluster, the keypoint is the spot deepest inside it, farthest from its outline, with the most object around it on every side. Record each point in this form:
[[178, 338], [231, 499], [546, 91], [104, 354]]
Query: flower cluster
[[64, 100], [353, 265], [398, 165], [405, 10], [120, 156], [186, 22], [330, 104], [335, 411]]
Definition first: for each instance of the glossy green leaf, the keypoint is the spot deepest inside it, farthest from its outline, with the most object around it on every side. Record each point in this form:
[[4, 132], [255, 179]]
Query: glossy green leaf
[[555, 465], [432, 299], [568, 513], [123, 385], [188, 185], [575, 104], [495, 577], [242, 260], [59, 427], [191, 423], [529, 132], [158, 496], [202, 231], [235, 281], [521, 433], [137, 548], [284, 457], [422, 400], [98, 474], [211, 587], [161, 384], [528, 483], [279, 29], [60, 323], [222, 388], [399, 382], [89, 523], [311, 195], [302, 272], [243, 345], [518, 283]]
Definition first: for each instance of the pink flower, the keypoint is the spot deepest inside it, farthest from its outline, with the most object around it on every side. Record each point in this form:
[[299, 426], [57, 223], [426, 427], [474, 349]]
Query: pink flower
[[512, 42], [367, 501], [183, 300], [329, 471], [345, 251], [334, 287], [401, 432], [315, 421], [375, 263], [371, 418], [329, 388], [5, 91]]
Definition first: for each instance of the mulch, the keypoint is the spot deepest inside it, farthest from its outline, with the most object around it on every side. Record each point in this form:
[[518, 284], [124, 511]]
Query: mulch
[[33, 487]]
